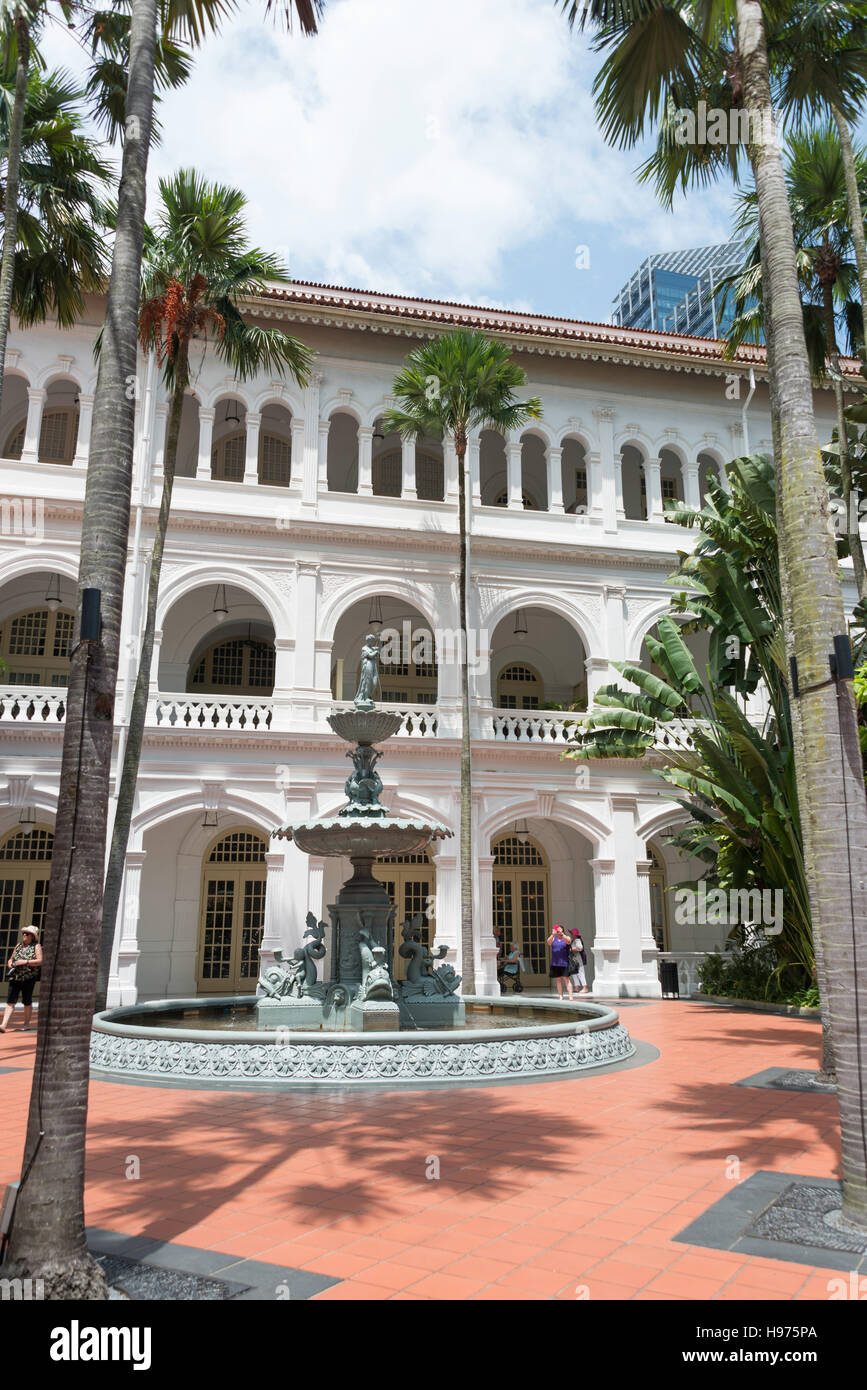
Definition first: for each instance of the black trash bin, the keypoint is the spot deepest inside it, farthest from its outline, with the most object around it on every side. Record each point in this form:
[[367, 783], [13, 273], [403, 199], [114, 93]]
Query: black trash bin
[[668, 978]]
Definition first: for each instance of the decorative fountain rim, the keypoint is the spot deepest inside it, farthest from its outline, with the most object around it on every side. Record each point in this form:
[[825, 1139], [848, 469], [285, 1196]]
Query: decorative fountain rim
[[247, 1059]]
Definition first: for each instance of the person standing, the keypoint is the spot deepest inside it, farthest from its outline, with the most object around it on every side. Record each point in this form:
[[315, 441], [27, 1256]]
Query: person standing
[[23, 966], [577, 962], [559, 943]]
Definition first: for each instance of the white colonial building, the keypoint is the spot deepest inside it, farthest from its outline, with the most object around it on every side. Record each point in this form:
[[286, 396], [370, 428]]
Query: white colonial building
[[297, 526]]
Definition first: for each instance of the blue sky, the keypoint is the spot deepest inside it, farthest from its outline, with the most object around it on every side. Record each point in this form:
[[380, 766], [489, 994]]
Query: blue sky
[[446, 150]]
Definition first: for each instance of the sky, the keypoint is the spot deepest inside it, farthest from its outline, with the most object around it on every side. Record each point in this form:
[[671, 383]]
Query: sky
[[447, 150]]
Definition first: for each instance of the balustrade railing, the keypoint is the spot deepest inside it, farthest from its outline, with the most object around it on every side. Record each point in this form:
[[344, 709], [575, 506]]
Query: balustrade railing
[[21, 704], [530, 726], [181, 712]]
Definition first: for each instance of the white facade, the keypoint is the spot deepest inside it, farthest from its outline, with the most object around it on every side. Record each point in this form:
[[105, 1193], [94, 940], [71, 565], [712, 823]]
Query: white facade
[[295, 503]]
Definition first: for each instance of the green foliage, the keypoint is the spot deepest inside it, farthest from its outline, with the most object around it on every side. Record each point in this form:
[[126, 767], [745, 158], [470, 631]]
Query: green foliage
[[751, 971], [738, 779]]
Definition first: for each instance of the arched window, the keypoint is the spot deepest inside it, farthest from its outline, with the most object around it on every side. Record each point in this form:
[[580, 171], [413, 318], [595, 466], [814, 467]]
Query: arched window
[[227, 458], [388, 475], [519, 687], [57, 437], [232, 913], [25, 868], [239, 666], [34, 647], [275, 459], [410, 881], [407, 682], [521, 901]]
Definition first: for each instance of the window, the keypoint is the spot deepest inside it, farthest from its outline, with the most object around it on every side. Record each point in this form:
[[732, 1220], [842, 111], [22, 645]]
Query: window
[[519, 687], [388, 475], [58, 437], [232, 914], [408, 682], [275, 460], [227, 458], [34, 647], [238, 666], [25, 867]]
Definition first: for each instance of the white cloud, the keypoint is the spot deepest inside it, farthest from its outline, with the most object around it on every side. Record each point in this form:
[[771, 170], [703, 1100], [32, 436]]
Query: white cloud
[[414, 147]]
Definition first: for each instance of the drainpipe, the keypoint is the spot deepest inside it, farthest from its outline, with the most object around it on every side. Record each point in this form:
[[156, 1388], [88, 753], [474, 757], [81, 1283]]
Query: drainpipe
[[745, 408]]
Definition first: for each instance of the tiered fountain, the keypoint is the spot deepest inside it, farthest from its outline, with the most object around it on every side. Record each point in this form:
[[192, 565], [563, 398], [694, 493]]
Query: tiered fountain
[[363, 993], [361, 1026]]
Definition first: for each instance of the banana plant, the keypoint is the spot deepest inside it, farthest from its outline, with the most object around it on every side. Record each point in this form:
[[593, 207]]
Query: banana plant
[[737, 777]]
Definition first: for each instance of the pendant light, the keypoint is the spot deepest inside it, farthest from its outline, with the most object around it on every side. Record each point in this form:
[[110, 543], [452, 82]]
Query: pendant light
[[520, 629], [522, 831], [210, 820], [53, 599], [221, 607], [27, 816], [374, 615]]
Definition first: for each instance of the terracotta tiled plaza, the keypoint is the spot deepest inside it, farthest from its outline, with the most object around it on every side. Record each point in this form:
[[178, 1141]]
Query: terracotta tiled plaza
[[543, 1187]]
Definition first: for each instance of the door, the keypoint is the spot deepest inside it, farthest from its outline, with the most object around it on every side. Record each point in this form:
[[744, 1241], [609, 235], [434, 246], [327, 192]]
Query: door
[[410, 881], [232, 914], [25, 869], [521, 902]]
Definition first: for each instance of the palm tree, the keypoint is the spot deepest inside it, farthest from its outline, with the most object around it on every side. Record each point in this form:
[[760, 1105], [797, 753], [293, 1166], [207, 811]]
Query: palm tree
[[61, 245], [449, 387], [828, 278], [47, 1239], [199, 267], [662, 55]]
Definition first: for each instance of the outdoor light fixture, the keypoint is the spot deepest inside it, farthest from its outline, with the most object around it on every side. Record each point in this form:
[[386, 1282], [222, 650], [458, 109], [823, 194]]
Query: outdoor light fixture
[[374, 616], [232, 419], [522, 831], [221, 607], [377, 433], [28, 816], [520, 624], [52, 593], [209, 820]]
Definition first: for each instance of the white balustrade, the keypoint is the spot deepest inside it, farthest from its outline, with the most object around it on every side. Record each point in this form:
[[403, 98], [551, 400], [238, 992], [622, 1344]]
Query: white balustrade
[[687, 963], [219, 712], [23, 704], [530, 726]]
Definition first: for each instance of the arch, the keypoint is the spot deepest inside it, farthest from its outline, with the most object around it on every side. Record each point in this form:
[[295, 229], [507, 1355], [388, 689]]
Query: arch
[[350, 407], [581, 436], [575, 817], [637, 440], [539, 429], [533, 598], [657, 822], [35, 643], [232, 802], [19, 562], [671, 446], [250, 580], [288, 399], [638, 629], [404, 591], [234, 391], [60, 371]]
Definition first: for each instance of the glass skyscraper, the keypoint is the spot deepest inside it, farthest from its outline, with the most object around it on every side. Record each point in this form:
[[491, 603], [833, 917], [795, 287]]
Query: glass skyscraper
[[677, 291]]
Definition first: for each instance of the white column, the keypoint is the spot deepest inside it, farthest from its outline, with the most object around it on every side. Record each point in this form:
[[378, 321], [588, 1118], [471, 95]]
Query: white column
[[555, 480], [474, 456], [122, 987], [450, 468], [606, 951], [653, 488], [206, 440], [448, 900], [649, 947], [272, 936], [614, 621], [596, 668], [306, 598], [407, 470], [297, 461], [595, 488], [514, 494], [33, 428], [85, 419], [486, 968], [322, 456], [161, 417], [365, 460], [691, 485], [637, 975], [251, 451], [610, 468], [310, 468]]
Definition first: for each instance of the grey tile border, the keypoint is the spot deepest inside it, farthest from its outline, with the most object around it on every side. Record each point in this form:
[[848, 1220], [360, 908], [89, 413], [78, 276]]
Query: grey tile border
[[769, 1080], [723, 1225], [3, 1070], [249, 1279]]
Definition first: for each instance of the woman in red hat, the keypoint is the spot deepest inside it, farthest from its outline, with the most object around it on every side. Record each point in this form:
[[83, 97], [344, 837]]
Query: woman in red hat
[[560, 941]]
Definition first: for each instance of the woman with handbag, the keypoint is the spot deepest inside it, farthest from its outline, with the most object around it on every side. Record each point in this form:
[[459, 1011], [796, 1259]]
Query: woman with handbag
[[577, 962], [559, 969], [23, 966]]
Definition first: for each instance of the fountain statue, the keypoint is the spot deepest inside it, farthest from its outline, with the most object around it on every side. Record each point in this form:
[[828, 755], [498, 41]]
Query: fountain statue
[[362, 992]]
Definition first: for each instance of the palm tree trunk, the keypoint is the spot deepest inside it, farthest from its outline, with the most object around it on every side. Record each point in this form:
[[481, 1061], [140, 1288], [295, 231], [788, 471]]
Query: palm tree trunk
[[853, 535], [827, 1073], [468, 945], [48, 1237], [138, 710], [13, 172], [853, 198], [830, 778]]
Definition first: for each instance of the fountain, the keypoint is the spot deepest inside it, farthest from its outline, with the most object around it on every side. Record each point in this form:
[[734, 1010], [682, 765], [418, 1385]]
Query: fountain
[[361, 1025], [363, 992]]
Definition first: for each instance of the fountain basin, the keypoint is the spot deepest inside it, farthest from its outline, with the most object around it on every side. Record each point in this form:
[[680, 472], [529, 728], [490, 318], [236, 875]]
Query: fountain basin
[[365, 726], [559, 1040], [361, 837]]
